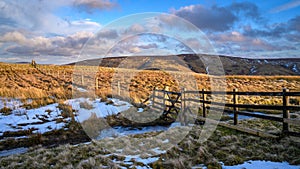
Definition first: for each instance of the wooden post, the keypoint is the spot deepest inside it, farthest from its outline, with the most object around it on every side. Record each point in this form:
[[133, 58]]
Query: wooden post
[[182, 117], [96, 83], [235, 109], [119, 89], [286, 112], [166, 95], [82, 80], [153, 96], [203, 104]]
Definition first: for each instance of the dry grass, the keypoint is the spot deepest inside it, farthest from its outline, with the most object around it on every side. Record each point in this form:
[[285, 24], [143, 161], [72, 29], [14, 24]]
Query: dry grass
[[23, 81], [225, 145]]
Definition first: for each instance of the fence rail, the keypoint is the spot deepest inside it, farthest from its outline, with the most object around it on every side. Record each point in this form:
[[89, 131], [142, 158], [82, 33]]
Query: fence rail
[[167, 102]]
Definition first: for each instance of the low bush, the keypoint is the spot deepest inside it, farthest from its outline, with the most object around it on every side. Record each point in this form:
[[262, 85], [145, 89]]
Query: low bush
[[6, 111], [86, 105], [66, 110]]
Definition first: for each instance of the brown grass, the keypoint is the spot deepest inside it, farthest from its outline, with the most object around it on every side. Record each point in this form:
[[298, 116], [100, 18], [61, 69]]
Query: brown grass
[[23, 81]]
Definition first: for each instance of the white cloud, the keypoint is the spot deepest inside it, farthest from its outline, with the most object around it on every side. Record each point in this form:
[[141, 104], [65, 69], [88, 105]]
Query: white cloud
[[235, 43], [90, 5], [40, 45], [287, 6], [39, 16]]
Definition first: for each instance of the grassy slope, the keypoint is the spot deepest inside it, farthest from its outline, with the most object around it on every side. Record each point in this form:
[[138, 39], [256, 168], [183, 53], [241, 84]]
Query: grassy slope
[[26, 82], [187, 62], [224, 145]]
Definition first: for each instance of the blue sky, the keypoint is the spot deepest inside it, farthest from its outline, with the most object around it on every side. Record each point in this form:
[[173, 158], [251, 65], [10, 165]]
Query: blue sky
[[57, 31]]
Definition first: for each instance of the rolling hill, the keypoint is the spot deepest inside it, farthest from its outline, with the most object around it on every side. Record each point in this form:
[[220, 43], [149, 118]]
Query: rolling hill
[[191, 62]]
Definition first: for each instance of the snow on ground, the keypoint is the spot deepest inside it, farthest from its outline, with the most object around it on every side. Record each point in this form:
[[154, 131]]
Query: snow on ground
[[101, 109], [295, 69], [262, 164], [10, 103], [253, 70], [256, 164], [125, 131], [81, 89], [20, 150], [244, 117], [140, 110], [43, 119]]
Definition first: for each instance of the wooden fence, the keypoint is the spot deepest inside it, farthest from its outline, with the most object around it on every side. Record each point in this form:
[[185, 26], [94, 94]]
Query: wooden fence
[[166, 102]]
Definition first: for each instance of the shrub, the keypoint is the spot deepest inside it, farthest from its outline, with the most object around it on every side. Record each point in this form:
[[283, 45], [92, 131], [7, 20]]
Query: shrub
[[6, 111], [86, 105], [66, 110]]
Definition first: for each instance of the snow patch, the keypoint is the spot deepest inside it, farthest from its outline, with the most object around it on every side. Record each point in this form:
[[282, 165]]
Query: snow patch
[[101, 109], [81, 89], [125, 131], [295, 69], [20, 150], [42, 119], [253, 70], [263, 164]]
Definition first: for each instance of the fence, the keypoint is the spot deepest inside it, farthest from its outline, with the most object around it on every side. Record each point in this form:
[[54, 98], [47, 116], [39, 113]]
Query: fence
[[169, 103]]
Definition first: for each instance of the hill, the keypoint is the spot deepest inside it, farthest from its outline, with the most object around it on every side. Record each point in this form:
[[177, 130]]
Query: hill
[[188, 62]]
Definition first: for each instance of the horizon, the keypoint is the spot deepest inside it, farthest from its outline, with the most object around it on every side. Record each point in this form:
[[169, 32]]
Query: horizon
[[124, 56], [57, 32]]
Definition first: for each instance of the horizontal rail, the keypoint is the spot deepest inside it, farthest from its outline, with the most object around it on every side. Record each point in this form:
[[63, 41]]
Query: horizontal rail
[[244, 93], [158, 103], [158, 97], [273, 118], [249, 106], [159, 108], [168, 92], [292, 121], [173, 101], [206, 103]]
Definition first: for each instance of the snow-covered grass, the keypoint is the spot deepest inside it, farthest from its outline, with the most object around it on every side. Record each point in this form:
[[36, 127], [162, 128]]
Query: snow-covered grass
[[20, 150], [255, 164], [47, 118], [148, 151], [101, 109], [262, 164], [41, 119]]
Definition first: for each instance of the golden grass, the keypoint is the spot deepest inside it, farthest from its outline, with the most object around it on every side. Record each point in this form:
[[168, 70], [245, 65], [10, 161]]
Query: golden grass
[[24, 81], [23, 93]]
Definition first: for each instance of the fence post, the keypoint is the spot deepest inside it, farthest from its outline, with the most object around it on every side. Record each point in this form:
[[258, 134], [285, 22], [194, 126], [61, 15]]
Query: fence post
[[166, 95], [119, 88], [235, 109], [82, 80], [153, 96], [286, 112], [182, 117], [203, 104], [96, 83]]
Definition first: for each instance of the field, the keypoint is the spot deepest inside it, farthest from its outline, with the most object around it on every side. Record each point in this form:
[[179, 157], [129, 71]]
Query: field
[[54, 109]]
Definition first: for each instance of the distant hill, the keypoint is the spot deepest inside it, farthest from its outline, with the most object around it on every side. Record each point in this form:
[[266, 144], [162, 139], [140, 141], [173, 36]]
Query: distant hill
[[188, 62]]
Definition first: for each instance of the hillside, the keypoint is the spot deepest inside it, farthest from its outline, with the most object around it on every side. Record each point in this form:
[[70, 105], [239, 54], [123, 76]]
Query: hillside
[[188, 62]]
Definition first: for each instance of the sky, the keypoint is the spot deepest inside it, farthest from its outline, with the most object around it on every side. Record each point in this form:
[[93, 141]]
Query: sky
[[58, 32]]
